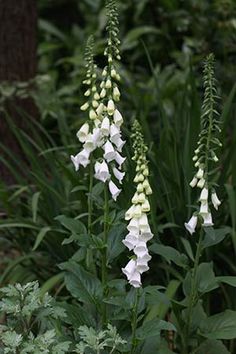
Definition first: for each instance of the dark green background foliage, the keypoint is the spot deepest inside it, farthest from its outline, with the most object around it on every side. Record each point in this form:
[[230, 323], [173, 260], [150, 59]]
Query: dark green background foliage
[[163, 44]]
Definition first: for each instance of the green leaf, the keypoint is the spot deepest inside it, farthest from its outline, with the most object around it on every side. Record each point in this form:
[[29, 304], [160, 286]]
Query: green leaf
[[153, 328], [227, 280], [213, 237], [114, 245], [81, 284], [211, 346], [220, 326], [42, 233], [205, 279], [34, 203], [170, 254], [73, 225]]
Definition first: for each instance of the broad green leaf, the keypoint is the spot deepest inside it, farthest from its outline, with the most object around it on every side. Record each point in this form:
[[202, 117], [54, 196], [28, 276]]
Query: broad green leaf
[[213, 237], [211, 346], [220, 326], [114, 245], [73, 225], [153, 328], [170, 254], [81, 284], [230, 280], [205, 279]]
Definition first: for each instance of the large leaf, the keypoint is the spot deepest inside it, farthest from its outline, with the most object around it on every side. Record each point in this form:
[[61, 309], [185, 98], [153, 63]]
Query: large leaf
[[220, 326], [73, 225], [227, 280], [114, 244], [170, 254], [81, 284], [213, 237], [211, 346], [205, 279], [153, 328]]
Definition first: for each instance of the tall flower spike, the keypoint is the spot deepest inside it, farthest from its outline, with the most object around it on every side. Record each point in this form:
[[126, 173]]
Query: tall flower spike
[[103, 130], [88, 134], [205, 154], [109, 96], [138, 227]]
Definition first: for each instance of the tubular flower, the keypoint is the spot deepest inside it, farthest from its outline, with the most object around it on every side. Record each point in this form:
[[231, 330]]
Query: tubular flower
[[139, 231], [103, 130], [205, 156]]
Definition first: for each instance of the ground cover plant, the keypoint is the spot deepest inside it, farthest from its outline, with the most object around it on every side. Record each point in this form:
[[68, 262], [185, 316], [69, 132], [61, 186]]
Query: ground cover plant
[[130, 222]]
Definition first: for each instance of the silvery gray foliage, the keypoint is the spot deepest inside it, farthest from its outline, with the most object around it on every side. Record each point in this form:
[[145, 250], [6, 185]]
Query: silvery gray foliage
[[96, 341], [29, 320]]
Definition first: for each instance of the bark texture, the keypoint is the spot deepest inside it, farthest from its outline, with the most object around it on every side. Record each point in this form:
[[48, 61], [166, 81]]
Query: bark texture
[[18, 32]]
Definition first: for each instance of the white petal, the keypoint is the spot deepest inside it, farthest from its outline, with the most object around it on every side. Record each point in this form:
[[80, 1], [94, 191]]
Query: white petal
[[83, 132], [200, 173], [89, 143], [119, 144], [146, 236], [135, 280], [130, 213], [114, 133], [109, 152], [105, 126], [114, 190], [102, 171], [143, 223], [204, 207], [215, 201], [133, 226], [130, 268], [191, 224], [130, 241], [194, 181], [201, 183], [118, 174], [82, 158], [207, 220], [119, 159], [141, 249], [204, 194], [75, 162], [118, 119]]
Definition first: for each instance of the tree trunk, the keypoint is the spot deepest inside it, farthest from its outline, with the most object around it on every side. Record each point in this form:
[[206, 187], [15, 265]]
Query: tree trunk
[[18, 30]]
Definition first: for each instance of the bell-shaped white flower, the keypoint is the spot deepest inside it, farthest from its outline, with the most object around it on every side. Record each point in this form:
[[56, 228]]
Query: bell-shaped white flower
[[141, 249], [142, 265], [130, 241], [204, 194], [118, 119], [102, 171], [89, 143], [194, 181], [203, 207], [133, 226], [97, 137], [83, 132], [105, 126], [135, 280], [82, 158], [191, 224], [114, 190], [114, 134], [110, 107], [146, 236], [119, 144], [119, 159], [109, 152], [143, 223], [130, 268], [200, 173], [130, 213], [207, 219], [201, 183], [118, 174], [215, 200], [146, 206]]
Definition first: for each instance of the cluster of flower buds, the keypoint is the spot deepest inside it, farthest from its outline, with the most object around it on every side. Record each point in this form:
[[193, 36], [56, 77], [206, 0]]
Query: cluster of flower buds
[[205, 154], [138, 227], [105, 130]]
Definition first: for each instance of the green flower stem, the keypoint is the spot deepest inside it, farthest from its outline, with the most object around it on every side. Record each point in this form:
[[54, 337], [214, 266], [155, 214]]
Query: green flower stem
[[134, 322], [104, 252], [193, 292], [89, 257]]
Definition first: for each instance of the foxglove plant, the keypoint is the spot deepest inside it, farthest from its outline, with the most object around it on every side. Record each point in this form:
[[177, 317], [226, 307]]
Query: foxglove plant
[[205, 154], [138, 227], [104, 130]]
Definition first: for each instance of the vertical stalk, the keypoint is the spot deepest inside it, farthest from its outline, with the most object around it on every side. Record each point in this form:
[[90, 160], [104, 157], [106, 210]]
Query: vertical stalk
[[134, 322], [89, 256], [193, 292], [104, 252]]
